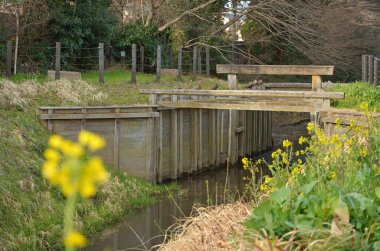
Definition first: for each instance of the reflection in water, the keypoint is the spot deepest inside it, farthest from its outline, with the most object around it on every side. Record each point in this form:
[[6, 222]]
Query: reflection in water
[[147, 227]]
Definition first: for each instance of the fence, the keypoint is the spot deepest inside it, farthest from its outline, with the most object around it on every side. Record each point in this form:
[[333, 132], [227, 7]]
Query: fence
[[194, 61], [370, 69]]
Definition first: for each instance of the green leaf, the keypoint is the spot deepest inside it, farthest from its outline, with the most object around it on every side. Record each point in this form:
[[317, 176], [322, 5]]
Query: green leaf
[[306, 189], [280, 195], [377, 191]]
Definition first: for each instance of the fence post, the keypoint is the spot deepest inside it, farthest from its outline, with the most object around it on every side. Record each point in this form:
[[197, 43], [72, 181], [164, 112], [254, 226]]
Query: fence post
[[199, 58], [180, 64], [101, 63], [370, 71], [8, 72], [194, 62], [57, 60], [158, 71], [365, 68], [133, 63], [376, 72], [207, 61], [142, 59]]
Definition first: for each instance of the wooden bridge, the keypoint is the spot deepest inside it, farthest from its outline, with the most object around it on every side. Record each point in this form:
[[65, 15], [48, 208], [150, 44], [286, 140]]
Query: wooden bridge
[[187, 131]]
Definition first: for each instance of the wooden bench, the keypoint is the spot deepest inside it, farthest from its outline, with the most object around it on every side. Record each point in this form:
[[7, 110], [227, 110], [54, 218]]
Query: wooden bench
[[315, 71]]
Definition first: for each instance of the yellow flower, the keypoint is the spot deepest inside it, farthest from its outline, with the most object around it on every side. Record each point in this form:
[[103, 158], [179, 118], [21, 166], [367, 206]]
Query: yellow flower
[[49, 169], [92, 140], [267, 179], [72, 150], [298, 153], [332, 175], [301, 140], [286, 143], [310, 127], [296, 171], [363, 152], [337, 121], [299, 161], [274, 155], [55, 141], [75, 239], [364, 106], [87, 189], [264, 187], [52, 155]]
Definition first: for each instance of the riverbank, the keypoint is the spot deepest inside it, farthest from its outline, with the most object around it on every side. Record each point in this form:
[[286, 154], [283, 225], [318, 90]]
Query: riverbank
[[30, 210]]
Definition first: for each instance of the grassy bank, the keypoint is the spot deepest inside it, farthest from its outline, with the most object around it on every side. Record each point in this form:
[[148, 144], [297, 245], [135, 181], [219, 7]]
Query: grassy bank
[[30, 210], [356, 93]]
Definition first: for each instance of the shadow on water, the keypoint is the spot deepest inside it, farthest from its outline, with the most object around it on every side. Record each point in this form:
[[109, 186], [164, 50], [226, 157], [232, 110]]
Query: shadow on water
[[146, 228]]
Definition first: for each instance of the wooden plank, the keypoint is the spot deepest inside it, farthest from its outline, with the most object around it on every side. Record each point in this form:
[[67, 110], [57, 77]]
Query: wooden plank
[[200, 140], [174, 141], [158, 69], [288, 85], [194, 141], [57, 60], [240, 129], [181, 142], [199, 60], [254, 106], [232, 82], [364, 68], [116, 141], [100, 116], [134, 63], [84, 121], [101, 63], [370, 69], [376, 72], [180, 64], [316, 83], [308, 70], [50, 123], [246, 93]]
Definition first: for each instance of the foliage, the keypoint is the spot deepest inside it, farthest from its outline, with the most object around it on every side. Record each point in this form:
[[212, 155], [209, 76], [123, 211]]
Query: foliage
[[334, 193], [76, 174], [81, 24], [356, 93]]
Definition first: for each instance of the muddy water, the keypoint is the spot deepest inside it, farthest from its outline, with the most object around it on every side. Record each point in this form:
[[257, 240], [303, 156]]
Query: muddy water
[[146, 228]]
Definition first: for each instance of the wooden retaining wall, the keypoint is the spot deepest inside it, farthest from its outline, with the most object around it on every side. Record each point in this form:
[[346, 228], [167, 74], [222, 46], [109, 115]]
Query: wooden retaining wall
[[164, 144], [328, 120]]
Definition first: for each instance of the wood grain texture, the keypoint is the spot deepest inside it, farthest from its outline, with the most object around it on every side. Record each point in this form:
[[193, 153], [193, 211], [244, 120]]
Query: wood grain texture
[[308, 70]]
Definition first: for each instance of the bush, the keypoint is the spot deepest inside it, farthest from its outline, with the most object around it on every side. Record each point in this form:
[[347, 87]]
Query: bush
[[334, 197]]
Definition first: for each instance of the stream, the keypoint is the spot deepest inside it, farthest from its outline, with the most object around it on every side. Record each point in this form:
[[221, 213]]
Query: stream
[[146, 228]]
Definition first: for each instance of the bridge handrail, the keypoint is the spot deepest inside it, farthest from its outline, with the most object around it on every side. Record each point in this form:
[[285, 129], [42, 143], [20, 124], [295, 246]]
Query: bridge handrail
[[308, 70], [246, 93]]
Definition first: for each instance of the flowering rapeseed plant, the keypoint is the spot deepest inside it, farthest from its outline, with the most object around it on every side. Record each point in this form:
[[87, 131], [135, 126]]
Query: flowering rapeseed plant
[[75, 173]]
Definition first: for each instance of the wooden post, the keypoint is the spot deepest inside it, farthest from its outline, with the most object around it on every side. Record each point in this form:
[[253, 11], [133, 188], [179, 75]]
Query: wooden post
[[158, 71], [142, 59], [199, 59], [180, 64], [207, 61], [376, 72], [232, 82], [134, 63], [370, 70], [9, 59], [365, 68], [194, 63], [57, 60], [174, 141], [101, 63], [316, 84]]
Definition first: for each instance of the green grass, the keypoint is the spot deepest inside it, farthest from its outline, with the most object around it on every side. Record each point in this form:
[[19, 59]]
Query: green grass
[[31, 212], [355, 94]]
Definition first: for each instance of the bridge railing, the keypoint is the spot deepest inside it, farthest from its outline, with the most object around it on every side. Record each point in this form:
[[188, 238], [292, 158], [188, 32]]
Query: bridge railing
[[370, 69], [315, 71]]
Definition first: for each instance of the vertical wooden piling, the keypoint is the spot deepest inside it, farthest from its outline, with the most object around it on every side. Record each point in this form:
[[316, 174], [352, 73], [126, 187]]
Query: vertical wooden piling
[[199, 60], [101, 63], [180, 64], [152, 143], [8, 72], [142, 59], [116, 140], [174, 141], [370, 69], [134, 63], [194, 62], [207, 49], [57, 60], [365, 68], [376, 72], [158, 70]]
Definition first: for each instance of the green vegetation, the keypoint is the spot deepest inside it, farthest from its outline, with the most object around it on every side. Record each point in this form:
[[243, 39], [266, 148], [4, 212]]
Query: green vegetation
[[30, 210], [356, 93], [330, 202]]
